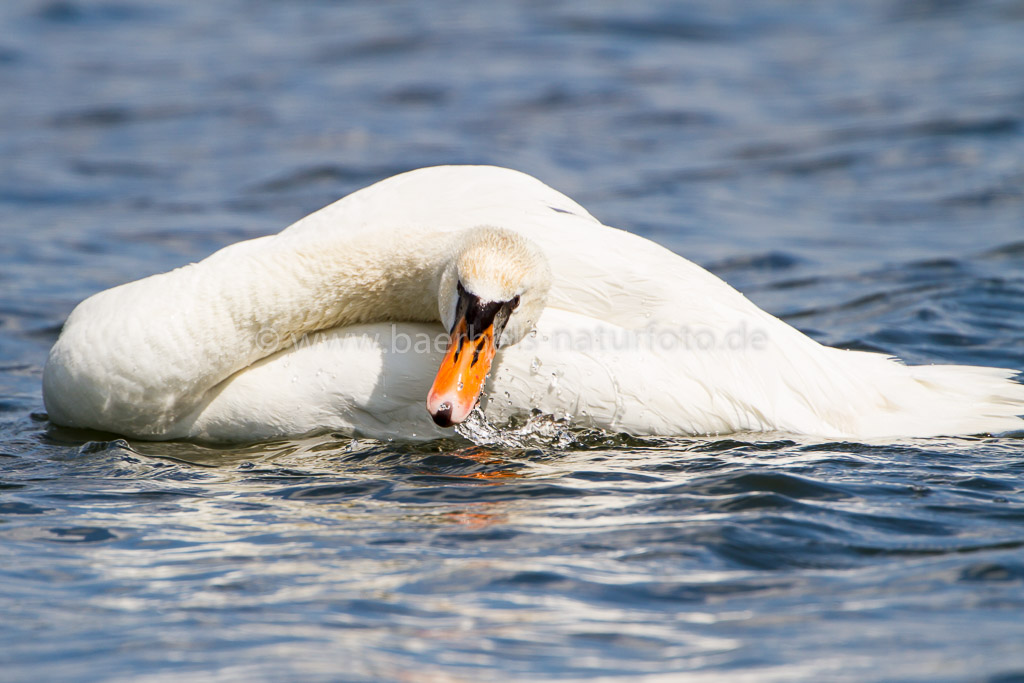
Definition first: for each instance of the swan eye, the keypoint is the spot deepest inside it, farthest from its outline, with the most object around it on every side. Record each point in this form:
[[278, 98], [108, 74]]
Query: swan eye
[[514, 302]]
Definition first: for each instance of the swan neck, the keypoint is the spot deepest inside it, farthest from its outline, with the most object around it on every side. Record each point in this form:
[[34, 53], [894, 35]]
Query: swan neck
[[391, 278]]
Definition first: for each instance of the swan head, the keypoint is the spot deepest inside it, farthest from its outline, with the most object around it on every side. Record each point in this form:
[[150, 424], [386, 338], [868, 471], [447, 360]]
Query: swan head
[[492, 291]]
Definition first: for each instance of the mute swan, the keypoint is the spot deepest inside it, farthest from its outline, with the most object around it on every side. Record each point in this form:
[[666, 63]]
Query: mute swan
[[334, 324]]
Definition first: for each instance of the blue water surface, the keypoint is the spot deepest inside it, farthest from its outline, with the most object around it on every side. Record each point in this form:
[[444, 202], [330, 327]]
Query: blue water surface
[[855, 167]]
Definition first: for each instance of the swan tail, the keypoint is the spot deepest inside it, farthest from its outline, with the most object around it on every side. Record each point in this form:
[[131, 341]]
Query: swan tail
[[976, 400], [941, 400]]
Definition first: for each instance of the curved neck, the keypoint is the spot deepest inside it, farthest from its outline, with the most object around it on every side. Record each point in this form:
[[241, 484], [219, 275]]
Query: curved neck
[[297, 287], [314, 286], [168, 339]]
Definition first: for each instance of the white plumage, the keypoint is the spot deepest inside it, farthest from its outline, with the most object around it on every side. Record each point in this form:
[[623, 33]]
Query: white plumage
[[633, 338]]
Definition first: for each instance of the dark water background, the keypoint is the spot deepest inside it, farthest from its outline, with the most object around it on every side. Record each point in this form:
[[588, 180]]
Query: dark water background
[[855, 167]]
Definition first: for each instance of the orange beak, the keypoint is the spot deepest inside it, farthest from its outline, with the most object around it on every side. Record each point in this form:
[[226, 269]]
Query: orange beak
[[461, 376]]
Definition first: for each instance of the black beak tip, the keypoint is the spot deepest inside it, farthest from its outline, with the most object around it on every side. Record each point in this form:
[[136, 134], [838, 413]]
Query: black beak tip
[[443, 416]]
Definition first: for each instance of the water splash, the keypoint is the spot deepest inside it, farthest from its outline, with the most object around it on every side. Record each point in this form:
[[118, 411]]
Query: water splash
[[538, 431]]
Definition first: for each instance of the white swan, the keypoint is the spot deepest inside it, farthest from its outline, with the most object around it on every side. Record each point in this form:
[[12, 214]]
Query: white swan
[[333, 324]]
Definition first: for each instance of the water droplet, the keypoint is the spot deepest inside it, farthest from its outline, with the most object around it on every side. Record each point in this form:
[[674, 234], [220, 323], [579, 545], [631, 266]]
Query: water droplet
[[459, 387], [535, 366]]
